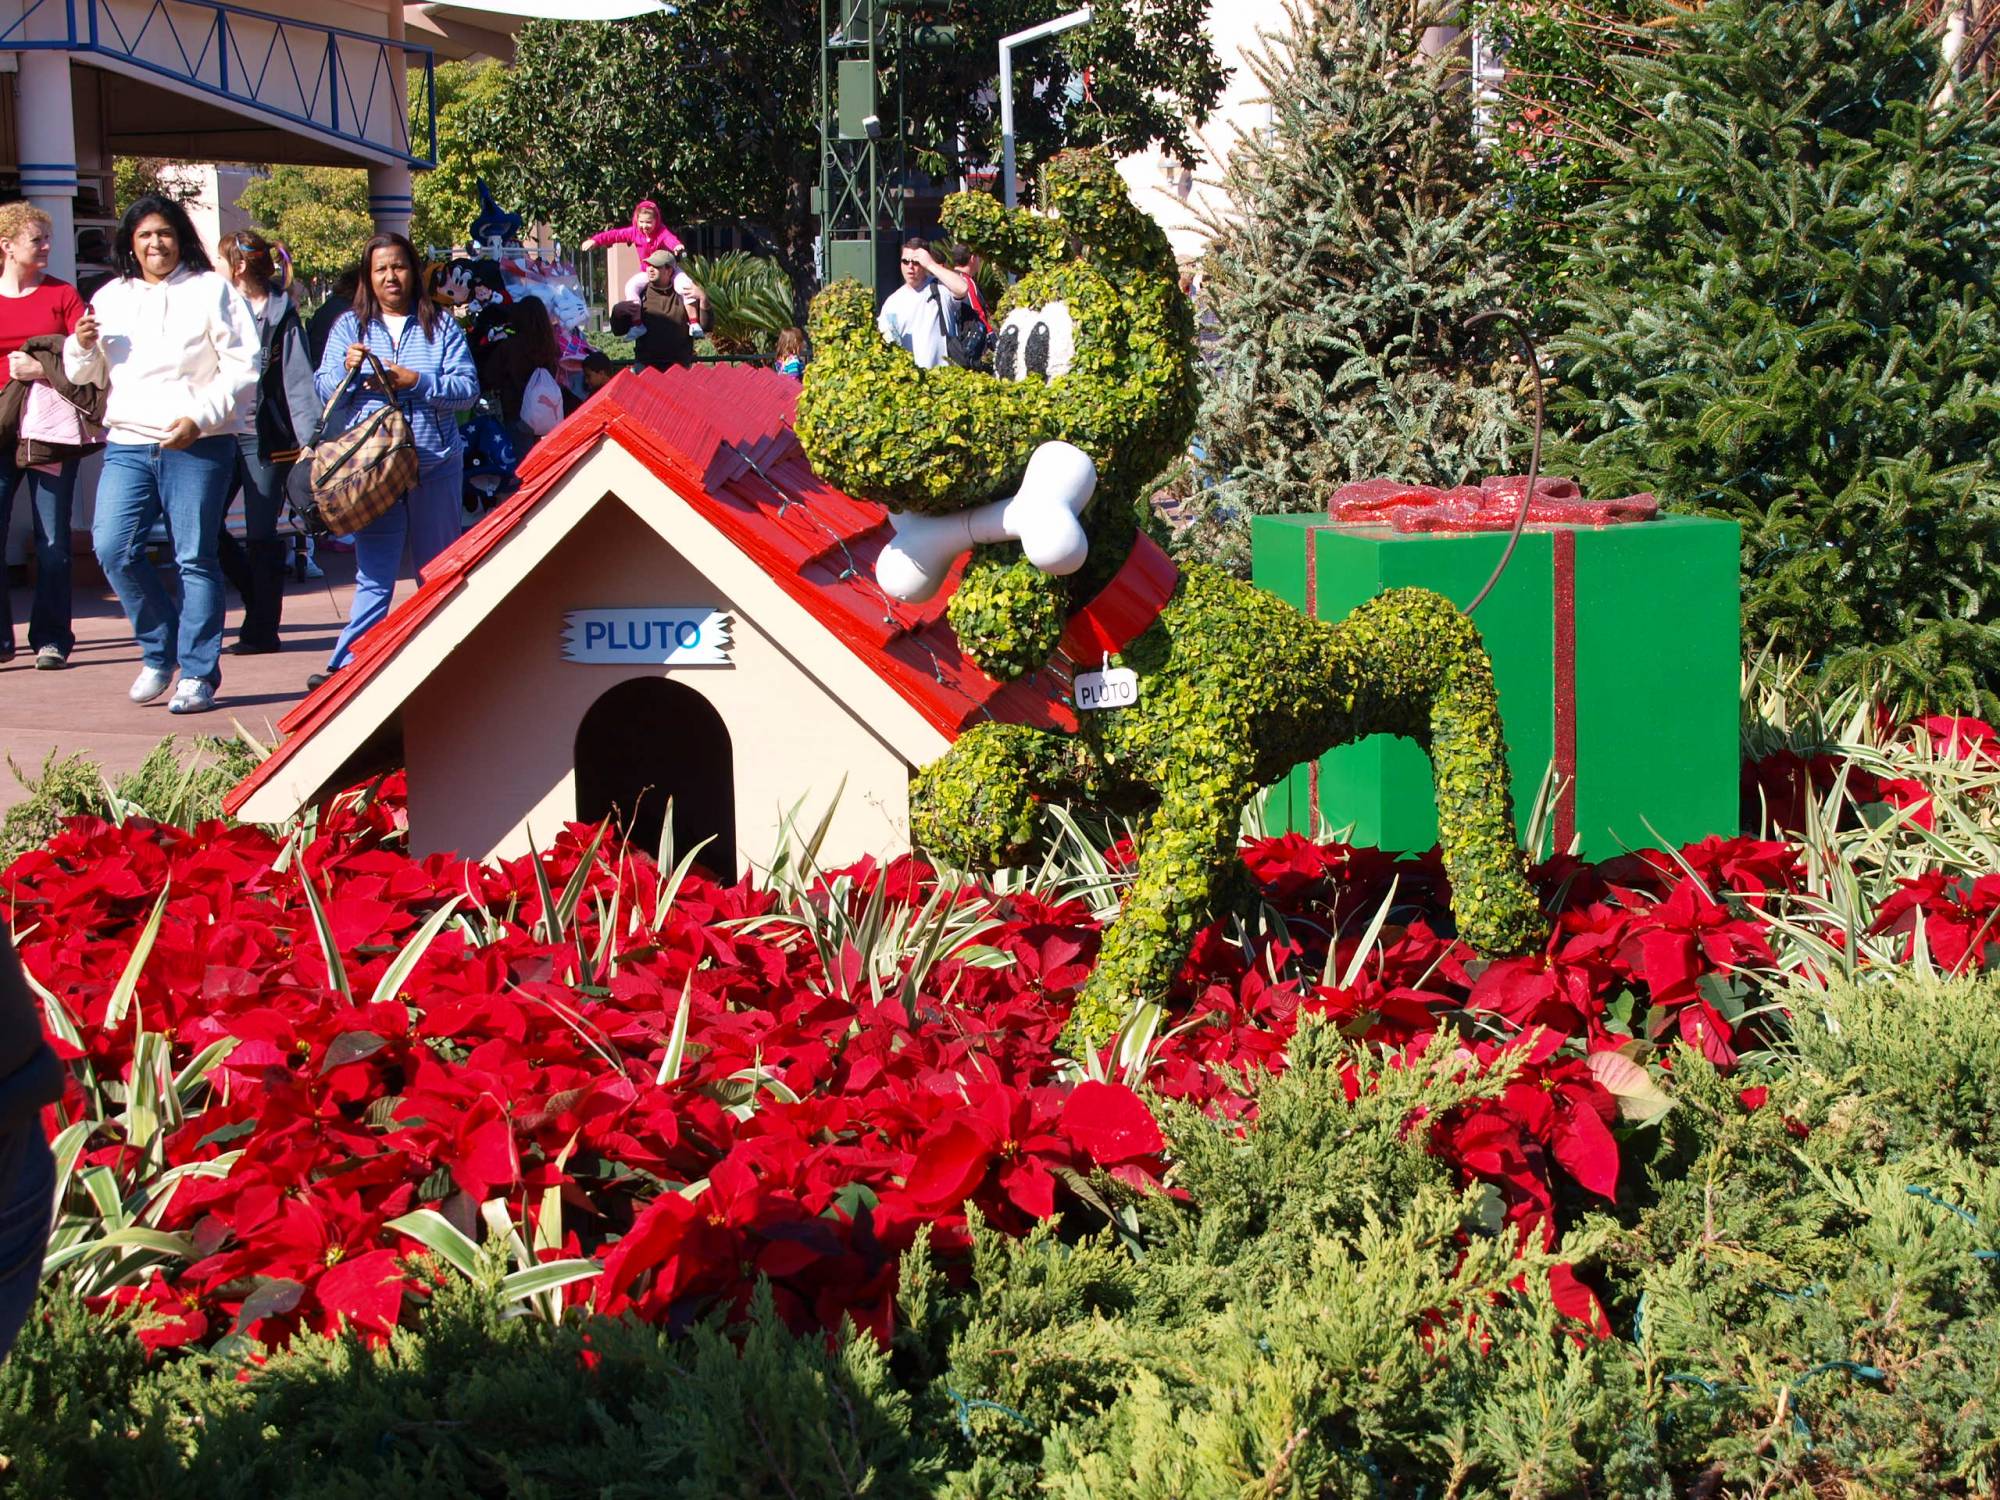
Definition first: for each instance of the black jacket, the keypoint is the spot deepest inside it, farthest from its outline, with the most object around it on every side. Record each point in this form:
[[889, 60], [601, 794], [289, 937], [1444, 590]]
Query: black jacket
[[30, 1075], [320, 325], [287, 404], [663, 340]]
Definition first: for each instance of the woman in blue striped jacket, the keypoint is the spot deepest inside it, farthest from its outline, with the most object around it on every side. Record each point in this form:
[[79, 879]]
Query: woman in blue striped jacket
[[432, 378]]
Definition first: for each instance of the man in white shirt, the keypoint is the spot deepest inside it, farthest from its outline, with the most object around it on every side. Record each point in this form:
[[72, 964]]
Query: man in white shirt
[[917, 313]]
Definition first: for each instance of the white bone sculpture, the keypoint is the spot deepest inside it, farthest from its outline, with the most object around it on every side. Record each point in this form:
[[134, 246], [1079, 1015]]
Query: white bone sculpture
[[1041, 516]]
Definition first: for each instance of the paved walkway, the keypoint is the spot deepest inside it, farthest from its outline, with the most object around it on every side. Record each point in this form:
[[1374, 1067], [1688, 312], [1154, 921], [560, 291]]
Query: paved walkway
[[84, 709]]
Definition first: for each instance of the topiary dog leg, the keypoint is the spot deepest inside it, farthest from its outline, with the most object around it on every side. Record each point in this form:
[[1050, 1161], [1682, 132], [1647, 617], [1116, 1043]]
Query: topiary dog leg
[[1409, 663], [1187, 858], [979, 806]]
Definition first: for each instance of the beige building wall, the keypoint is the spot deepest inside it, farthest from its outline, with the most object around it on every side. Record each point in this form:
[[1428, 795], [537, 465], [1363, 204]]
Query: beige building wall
[[1169, 192], [492, 732]]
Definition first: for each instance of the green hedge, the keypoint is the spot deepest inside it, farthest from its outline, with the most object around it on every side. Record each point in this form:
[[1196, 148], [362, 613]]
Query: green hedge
[[1805, 1300]]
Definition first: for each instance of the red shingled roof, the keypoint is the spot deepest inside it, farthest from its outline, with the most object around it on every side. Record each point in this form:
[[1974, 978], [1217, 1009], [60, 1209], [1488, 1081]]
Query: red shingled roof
[[721, 437]]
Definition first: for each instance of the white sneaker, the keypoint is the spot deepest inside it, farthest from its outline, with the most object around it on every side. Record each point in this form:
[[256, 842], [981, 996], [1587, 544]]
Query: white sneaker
[[149, 684], [193, 696], [313, 569]]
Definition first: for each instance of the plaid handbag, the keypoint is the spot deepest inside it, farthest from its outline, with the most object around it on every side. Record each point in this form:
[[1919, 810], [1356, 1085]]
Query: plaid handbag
[[342, 483]]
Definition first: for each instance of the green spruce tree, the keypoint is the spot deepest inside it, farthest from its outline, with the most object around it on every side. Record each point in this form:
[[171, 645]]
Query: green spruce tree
[[1357, 238], [1784, 315]]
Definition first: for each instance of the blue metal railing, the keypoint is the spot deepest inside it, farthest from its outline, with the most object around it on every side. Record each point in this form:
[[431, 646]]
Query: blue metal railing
[[324, 79]]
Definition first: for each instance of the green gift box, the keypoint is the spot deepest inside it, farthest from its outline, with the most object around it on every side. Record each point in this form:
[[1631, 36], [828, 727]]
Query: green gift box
[[1616, 650]]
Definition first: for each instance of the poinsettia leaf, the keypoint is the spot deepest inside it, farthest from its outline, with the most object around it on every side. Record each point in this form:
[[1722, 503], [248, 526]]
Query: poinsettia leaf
[[1589, 1152], [852, 1197], [350, 1047], [1640, 1098], [1724, 993], [272, 1297], [222, 1135], [364, 1289], [1109, 1123]]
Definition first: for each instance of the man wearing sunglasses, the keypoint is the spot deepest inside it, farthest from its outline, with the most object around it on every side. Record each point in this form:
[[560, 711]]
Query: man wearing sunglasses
[[918, 312]]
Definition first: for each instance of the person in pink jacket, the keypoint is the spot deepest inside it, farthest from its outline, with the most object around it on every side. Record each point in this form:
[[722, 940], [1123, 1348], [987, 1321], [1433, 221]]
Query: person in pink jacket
[[646, 233]]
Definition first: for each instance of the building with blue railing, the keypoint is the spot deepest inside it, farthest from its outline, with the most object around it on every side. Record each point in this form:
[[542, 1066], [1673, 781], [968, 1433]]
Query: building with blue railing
[[311, 82]]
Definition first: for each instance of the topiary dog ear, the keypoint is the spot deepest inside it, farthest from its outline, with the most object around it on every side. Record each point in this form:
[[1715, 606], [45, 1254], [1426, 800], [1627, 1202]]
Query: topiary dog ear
[[1012, 238], [1088, 197]]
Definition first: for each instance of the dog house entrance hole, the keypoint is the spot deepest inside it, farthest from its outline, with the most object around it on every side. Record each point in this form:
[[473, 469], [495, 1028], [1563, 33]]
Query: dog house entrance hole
[[650, 741]]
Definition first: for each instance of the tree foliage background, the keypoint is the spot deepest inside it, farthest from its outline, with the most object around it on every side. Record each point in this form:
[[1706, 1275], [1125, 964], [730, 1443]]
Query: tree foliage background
[[321, 213], [1359, 233], [1784, 315], [1562, 122], [713, 108]]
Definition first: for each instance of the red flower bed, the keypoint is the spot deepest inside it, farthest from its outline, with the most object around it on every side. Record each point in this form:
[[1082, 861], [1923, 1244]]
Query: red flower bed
[[792, 1133]]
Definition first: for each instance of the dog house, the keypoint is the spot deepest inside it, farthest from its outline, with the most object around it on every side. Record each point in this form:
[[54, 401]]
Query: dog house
[[672, 610]]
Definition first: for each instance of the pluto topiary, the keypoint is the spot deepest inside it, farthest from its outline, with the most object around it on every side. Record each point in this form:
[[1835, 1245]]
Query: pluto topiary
[[1043, 467]]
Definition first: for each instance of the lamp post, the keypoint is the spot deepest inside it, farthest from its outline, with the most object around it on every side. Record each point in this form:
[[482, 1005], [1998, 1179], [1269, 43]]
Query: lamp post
[[1075, 18]]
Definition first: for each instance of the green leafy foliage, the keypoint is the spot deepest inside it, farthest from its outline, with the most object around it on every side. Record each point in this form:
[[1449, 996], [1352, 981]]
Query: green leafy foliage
[[175, 784], [713, 110], [1784, 316], [1153, 77], [319, 213], [1360, 232], [1562, 122], [749, 298], [1282, 1329], [469, 148], [1802, 1285], [708, 109], [469, 1404], [133, 177]]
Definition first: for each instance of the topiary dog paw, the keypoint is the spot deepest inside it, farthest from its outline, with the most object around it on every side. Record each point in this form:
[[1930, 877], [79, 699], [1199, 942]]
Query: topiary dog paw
[[1007, 613]]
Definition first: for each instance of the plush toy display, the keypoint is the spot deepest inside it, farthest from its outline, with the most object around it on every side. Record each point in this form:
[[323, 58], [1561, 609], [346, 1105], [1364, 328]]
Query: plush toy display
[[494, 222], [1193, 690]]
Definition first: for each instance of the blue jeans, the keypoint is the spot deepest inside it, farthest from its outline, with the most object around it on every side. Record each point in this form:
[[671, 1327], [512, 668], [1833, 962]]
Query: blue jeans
[[427, 519], [51, 494], [143, 482]]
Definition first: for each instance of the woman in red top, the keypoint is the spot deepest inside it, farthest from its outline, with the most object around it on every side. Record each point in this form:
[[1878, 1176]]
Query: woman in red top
[[31, 303]]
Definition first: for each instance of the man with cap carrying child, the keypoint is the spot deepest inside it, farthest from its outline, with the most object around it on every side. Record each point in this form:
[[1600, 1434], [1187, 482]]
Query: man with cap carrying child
[[668, 316]]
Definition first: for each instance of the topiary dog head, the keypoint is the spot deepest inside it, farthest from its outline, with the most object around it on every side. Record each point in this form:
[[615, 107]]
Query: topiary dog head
[[1095, 350]]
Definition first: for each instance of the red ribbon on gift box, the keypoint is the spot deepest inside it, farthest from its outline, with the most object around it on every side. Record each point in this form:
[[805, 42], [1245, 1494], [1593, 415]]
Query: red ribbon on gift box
[[1491, 505]]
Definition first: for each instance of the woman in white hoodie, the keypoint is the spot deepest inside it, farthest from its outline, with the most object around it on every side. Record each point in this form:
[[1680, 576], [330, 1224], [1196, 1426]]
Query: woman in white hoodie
[[178, 347]]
